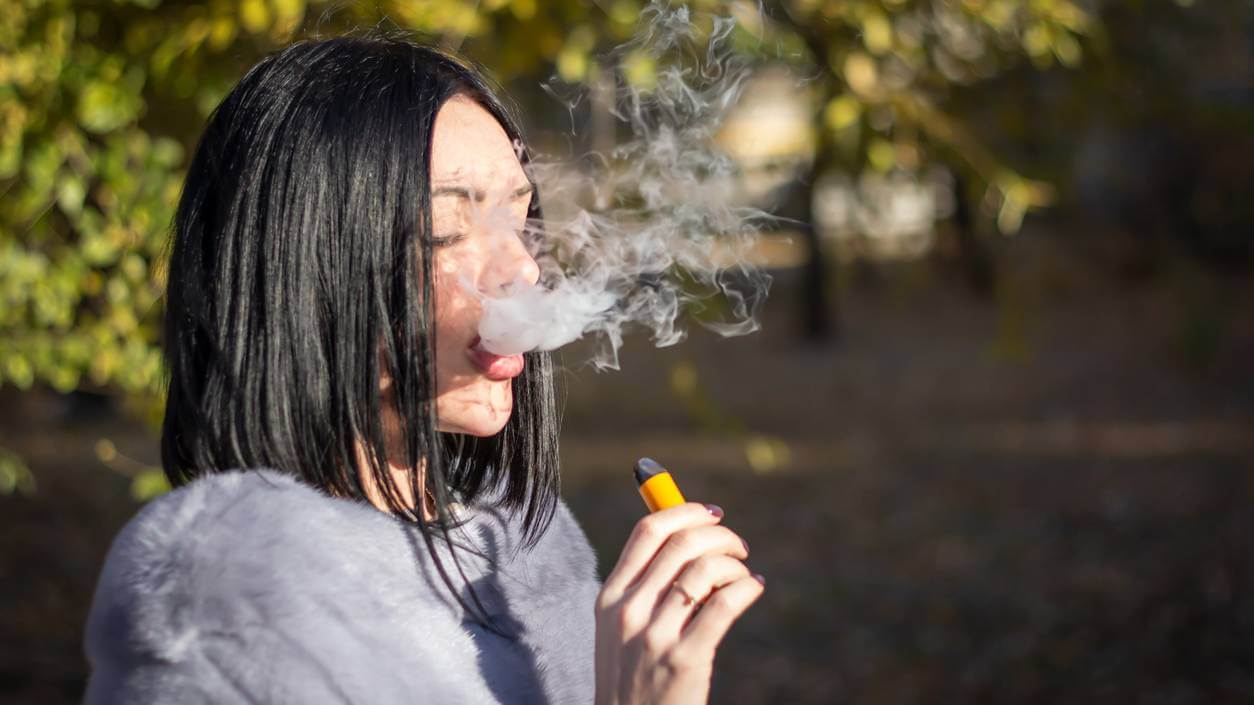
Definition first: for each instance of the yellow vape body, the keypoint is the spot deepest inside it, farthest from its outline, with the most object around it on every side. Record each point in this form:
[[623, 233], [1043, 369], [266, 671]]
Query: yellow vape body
[[657, 487]]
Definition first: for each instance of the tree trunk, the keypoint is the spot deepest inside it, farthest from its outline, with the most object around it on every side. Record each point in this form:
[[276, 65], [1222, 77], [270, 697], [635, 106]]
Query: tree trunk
[[818, 312], [817, 319], [977, 262]]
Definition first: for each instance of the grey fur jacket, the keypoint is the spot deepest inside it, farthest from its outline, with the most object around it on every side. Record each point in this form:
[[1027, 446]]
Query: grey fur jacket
[[252, 587]]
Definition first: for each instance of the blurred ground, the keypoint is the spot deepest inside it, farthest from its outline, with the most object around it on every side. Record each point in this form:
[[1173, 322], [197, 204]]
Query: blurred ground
[[1042, 499]]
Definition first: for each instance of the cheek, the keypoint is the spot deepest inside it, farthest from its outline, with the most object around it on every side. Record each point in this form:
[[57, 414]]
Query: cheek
[[466, 401], [456, 311]]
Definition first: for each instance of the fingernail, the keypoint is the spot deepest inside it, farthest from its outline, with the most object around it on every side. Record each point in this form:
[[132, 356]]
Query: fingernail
[[746, 543], [715, 509], [760, 579]]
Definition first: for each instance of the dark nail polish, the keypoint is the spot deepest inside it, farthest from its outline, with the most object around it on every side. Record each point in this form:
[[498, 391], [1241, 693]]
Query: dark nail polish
[[715, 509], [760, 579], [746, 543]]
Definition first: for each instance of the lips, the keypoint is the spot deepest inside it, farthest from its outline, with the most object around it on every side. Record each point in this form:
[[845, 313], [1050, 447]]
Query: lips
[[492, 366]]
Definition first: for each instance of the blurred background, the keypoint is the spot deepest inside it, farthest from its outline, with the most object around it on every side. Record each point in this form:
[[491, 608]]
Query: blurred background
[[994, 442]]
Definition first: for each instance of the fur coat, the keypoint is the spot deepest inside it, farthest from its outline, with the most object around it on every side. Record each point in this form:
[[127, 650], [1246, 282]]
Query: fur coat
[[253, 587]]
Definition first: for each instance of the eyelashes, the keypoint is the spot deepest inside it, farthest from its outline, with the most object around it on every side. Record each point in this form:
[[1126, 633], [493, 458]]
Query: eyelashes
[[447, 240], [531, 236]]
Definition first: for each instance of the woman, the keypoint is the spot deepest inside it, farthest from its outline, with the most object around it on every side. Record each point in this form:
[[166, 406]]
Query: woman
[[330, 255]]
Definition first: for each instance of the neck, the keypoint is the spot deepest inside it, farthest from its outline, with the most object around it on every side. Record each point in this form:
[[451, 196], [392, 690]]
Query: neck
[[400, 476]]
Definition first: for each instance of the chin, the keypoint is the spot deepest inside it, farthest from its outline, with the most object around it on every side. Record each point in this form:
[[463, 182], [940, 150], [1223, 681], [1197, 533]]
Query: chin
[[481, 415], [485, 427]]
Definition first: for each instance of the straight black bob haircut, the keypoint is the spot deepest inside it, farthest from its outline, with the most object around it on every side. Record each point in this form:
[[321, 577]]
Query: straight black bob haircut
[[301, 263]]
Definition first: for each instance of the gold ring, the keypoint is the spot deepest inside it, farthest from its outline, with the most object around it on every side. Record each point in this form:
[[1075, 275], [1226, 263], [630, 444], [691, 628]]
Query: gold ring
[[688, 599]]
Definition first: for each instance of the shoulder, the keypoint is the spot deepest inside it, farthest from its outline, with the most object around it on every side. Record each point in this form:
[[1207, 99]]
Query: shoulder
[[219, 550], [239, 506], [254, 581]]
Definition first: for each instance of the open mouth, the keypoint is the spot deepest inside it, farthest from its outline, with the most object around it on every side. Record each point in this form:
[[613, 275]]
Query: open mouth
[[492, 366]]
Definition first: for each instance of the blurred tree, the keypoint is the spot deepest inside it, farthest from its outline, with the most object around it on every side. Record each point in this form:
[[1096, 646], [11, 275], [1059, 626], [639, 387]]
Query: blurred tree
[[100, 104], [885, 71], [1148, 146]]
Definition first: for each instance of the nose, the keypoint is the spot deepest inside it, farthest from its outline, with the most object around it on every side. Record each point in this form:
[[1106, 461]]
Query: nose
[[508, 261]]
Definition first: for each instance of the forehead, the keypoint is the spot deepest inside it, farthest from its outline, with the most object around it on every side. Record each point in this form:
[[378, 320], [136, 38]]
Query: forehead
[[470, 148]]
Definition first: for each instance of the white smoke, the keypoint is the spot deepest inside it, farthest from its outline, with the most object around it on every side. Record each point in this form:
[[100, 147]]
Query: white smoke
[[637, 236]]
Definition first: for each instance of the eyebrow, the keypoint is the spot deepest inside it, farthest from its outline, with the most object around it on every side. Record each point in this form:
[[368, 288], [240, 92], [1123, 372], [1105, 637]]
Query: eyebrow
[[477, 195]]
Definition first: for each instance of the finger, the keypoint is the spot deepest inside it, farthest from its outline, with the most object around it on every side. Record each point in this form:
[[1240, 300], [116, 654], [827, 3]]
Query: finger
[[698, 581], [710, 625], [683, 547], [650, 533]]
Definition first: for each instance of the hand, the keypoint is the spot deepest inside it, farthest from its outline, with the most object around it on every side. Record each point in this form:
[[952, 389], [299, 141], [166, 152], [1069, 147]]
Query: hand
[[652, 646]]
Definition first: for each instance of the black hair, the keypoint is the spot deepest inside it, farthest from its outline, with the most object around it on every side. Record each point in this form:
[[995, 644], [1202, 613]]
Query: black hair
[[301, 262]]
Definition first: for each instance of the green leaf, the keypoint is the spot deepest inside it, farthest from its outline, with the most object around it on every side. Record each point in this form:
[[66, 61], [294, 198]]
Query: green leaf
[[18, 370], [842, 112], [15, 475], [148, 484], [70, 193], [167, 152], [104, 107]]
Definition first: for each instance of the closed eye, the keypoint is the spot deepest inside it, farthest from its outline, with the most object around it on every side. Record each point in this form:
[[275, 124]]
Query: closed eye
[[447, 240]]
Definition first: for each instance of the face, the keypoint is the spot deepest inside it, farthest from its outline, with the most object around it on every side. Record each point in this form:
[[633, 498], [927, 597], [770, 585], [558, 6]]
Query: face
[[480, 197]]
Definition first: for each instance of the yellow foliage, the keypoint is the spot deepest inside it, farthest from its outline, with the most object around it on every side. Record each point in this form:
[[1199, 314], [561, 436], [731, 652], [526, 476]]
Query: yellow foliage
[[683, 378], [222, 33], [523, 9], [148, 484], [254, 15], [288, 15], [573, 60], [766, 454], [860, 73], [572, 64], [881, 154], [15, 475], [842, 111], [640, 70], [1067, 49], [877, 33], [624, 12]]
